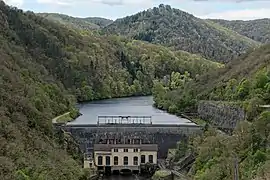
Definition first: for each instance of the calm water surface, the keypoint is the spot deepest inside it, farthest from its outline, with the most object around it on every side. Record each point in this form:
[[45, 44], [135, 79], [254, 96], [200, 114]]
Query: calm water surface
[[132, 106]]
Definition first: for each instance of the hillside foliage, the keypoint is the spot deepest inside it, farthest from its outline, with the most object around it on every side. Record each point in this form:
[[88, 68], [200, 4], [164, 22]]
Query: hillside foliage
[[237, 81], [182, 31], [258, 30]]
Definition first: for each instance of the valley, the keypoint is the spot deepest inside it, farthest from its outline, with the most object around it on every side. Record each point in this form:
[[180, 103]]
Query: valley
[[216, 71]]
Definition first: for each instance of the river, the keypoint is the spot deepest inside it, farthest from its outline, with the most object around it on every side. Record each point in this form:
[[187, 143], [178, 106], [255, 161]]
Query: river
[[131, 106]]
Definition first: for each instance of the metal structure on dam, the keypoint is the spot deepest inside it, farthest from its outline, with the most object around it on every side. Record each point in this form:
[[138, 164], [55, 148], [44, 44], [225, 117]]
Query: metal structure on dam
[[124, 129]]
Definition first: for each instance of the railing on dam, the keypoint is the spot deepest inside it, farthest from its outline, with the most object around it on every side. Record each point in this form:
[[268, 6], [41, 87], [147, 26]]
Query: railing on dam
[[91, 126], [124, 120]]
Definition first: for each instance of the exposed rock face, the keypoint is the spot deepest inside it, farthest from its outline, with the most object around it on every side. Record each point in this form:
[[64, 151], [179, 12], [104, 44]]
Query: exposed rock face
[[222, 114], [162, 175]]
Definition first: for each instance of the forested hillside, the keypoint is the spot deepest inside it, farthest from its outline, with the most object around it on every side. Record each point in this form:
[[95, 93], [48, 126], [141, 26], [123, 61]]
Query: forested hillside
[[258, 30], [231, 83], [180, 30], [244, 82], [29, 98], [90, 23], [46, 67]]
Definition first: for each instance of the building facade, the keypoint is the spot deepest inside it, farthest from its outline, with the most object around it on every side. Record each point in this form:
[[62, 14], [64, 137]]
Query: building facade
[[124, 157]]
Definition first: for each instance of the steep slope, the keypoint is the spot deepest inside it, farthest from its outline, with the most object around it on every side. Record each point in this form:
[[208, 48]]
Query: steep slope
[[42, 63], [180, 30], [90, 23], [258, 30], [213, 85], [29, 98], [244, 67]]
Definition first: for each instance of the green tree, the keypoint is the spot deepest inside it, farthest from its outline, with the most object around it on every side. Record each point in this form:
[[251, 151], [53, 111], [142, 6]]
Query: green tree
[[176, 80], [243, 89], [158, 92], [252, 107], [231, 89], [87, 93], [261, 79], [137, 87]]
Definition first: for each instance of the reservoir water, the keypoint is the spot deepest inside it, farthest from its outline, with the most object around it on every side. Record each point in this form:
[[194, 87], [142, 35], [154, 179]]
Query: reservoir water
[[131, 106]]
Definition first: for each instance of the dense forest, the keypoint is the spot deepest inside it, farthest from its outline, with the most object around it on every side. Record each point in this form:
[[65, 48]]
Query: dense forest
[[47, 67], [243, 82], [258, 30], [180, 30]]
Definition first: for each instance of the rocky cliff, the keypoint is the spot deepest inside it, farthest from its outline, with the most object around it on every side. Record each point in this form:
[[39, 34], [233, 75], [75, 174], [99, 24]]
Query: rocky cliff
[[222, 114]]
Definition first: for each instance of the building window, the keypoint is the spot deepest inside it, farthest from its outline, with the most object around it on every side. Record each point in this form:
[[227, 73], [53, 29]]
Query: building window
[[108, 161], [143, 159], [115, 160], [125, 160], [115, 150], [135, 150], [151, 159], [135, 160], [125, 150], [100, 160]]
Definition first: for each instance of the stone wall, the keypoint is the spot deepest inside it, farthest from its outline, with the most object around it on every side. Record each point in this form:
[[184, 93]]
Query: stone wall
[[221, 114]]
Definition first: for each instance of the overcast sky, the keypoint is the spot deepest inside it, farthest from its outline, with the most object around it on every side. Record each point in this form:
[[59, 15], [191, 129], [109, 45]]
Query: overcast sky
[[113, 9]]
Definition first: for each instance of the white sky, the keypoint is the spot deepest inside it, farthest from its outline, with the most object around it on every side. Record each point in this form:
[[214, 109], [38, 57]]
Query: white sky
[[112, 9]]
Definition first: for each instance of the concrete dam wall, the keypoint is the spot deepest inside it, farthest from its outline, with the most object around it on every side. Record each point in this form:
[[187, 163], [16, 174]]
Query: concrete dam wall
[[166, 136]]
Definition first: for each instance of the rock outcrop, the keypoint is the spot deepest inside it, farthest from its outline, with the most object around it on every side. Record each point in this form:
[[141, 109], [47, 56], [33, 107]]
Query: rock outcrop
[[162, 175], [221, 114]]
